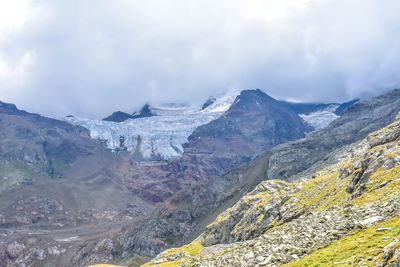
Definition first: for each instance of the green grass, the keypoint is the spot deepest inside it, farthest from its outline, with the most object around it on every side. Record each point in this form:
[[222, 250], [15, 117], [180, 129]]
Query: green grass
[[359, 244]]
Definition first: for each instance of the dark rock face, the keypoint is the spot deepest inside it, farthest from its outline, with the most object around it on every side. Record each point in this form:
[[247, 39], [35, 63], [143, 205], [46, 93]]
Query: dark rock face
[[339, 111], [208, 103], [145, 111], [118, 116], [254, 123]]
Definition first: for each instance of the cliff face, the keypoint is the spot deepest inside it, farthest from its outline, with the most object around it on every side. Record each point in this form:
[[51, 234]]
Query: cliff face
[[344, 213]]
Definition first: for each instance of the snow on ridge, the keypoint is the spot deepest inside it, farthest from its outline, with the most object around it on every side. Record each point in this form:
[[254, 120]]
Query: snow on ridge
[[321, 118], [160, 136]]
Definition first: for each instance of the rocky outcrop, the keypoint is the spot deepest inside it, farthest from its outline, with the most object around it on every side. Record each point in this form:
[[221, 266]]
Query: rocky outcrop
[[118, 116], [208, 103], [315, 220]]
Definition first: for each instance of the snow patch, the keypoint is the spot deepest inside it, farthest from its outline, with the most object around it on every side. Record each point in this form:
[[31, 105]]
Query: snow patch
[[321, 118]]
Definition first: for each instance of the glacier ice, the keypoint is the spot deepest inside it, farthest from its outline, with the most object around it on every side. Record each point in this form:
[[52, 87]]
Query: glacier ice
[[161, 136], [321, 118]]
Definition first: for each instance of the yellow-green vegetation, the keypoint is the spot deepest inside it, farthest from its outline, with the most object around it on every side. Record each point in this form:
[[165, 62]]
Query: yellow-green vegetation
[[323, 192], [192, 248], [167, 264], [358, 246], [382, 185], [222, 217], [104, 265], [264, 201]]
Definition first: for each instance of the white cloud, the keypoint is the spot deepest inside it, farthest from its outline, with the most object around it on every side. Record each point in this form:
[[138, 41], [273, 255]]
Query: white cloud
[[96, 56], [13, 13]]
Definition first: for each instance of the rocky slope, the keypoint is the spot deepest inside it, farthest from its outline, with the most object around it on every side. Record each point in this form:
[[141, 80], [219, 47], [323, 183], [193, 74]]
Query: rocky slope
[[56, 184], [346, 213], [196, 206]]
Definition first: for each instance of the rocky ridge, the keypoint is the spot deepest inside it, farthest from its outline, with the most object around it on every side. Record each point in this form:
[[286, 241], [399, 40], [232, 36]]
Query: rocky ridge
[[346, 213]]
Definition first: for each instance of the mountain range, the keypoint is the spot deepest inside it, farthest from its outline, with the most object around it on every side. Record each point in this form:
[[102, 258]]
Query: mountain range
[[76, 191]]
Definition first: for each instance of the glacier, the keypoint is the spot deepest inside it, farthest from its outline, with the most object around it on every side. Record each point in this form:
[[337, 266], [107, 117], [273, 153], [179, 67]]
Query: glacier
[[158, 137], [321, 118]]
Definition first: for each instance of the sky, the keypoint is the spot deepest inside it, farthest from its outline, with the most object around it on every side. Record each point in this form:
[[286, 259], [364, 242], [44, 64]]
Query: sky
[[92, 57]]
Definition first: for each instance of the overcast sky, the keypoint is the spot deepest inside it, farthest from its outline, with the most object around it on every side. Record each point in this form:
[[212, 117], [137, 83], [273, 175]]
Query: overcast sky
[[92, 57]]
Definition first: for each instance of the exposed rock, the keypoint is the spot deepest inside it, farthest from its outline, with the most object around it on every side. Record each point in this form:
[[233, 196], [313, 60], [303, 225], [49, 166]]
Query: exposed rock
[[15, 249], [118, 116], [208, 103]]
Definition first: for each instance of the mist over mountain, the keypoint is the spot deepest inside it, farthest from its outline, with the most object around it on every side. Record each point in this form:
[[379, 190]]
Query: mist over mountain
[[91, 59]]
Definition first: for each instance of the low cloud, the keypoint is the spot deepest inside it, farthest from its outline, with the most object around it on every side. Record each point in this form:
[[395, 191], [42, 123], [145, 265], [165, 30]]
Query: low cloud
[[90, 58]]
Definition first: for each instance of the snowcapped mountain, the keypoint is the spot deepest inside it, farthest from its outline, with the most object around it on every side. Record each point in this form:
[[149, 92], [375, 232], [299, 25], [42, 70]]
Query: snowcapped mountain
[[162, 136], [157, 137]]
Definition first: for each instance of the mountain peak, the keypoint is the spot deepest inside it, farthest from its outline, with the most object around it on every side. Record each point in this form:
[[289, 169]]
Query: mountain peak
[[10, 109], [208, 103], [118, 116], [145, 111]]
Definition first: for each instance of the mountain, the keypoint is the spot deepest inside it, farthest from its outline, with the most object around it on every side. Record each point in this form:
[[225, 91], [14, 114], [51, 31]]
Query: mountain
[[57, 186], [346, 213], [197, 205], [144, 112], [208, 103], [120, 116], [254, 122], [43, 145]]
